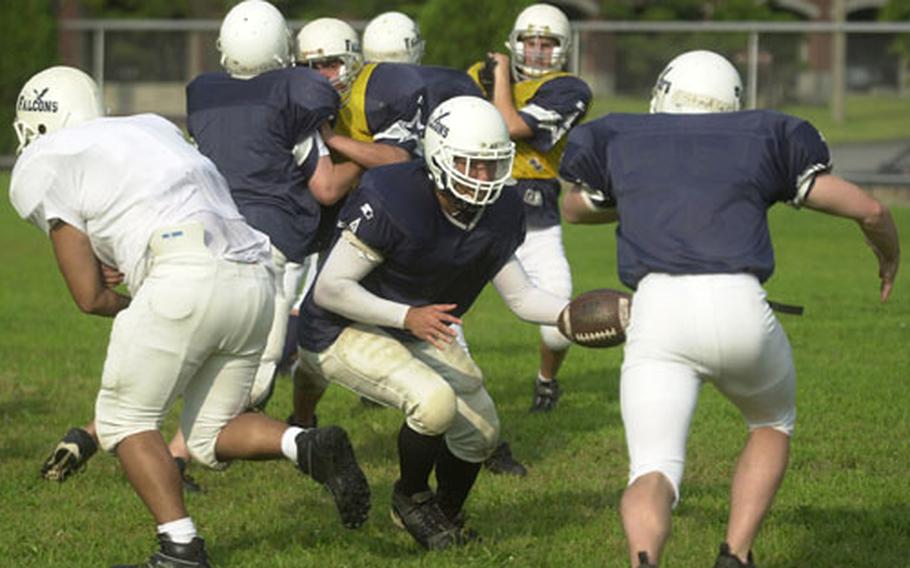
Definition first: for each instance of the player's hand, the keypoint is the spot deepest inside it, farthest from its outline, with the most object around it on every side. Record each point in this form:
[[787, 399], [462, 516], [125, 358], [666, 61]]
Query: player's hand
[[327, 133], [503, 69], [111, 276], [431, 323], [887, 271]]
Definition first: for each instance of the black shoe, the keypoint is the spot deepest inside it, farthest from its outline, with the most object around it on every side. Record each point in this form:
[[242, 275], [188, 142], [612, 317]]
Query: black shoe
[[421, 516], [326, 455], [292, 421], [468, 534], [173, 555], [546, 395], [70, 455], [726, 559], [502, 462], [189, 484], [643, 561]]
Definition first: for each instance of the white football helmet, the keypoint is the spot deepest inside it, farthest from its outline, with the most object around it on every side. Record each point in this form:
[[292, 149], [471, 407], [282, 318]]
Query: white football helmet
[[324, 39], [539, 20], [697, 82], [53, 99], [392, 37], [254, 38], [460, 132]]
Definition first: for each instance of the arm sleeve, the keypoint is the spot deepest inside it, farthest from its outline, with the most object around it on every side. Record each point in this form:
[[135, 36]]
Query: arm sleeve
[[524, 299], [555, 108], [805, 155], [582, 164], [338, 286]]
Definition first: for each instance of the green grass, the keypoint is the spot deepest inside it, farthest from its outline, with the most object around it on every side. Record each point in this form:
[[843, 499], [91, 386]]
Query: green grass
[[868, 118], [845, 501]]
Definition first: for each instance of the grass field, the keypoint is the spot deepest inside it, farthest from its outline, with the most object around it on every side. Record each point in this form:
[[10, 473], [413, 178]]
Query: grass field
[[845, 502]]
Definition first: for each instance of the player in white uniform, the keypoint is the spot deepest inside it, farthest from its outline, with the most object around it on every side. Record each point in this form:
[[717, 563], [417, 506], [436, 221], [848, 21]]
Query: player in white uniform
[[691, 184], [132, 194]]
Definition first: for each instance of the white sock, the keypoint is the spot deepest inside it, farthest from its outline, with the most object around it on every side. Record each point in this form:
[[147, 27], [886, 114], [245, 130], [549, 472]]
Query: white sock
[[181, 531], [289, 443]]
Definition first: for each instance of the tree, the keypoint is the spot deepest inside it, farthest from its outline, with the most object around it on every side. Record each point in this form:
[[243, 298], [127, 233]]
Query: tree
[[899, 11], [460, 33], [29, 44]]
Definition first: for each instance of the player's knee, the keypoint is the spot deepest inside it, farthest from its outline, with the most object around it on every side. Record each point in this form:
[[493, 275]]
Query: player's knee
[[477, 433], [434, 410], [553, 339], [307, 378], [113, 423], [668, 471]]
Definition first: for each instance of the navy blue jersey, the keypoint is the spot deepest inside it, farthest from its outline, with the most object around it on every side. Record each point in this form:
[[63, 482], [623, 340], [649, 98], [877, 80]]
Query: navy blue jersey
[[248, 128], [692, 191], [426, 258], [387, 104], [444, 83]]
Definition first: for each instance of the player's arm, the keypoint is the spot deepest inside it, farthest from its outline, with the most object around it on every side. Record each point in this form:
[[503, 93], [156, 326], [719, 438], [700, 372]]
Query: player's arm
[[502, 98], [526, 301], [330, 182], [581, 207], [338, 289], [837, 196], [83, 273], [366, 154]]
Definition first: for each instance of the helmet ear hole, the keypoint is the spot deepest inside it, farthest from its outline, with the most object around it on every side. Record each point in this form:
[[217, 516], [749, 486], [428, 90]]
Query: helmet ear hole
[[42, 129]]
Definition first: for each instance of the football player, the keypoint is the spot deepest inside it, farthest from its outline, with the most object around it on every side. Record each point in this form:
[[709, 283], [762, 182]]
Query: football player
[[419, 242], [540, 103], [131, 193], [384, 107], [392, 37], [259, 122], [690, 185]]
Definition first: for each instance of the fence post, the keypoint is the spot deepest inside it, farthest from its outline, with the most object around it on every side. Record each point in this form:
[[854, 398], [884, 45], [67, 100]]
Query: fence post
[[98, 55], [753, 70]]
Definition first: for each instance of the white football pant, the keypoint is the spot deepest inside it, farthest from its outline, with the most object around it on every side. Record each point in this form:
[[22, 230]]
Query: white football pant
[[288, 278], [687, 329], [544, 259], [439, 391], [196, 327]]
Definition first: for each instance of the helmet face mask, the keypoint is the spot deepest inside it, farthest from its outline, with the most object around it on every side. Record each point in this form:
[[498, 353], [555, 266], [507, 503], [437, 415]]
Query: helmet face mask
[[254, 38], [697, 82], [392, 37], [469, 154], [324, 40], [549, 53], [55, 98]]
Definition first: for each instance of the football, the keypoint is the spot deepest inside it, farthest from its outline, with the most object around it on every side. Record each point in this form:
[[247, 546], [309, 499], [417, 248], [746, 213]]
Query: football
[[597, 318]]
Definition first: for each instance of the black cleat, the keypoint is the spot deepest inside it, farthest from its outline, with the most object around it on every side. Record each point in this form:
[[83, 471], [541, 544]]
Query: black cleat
[[726, 559], [173, 555], [643, 561], [421, 516], [189, 484], [70, 455], [326, 455], [502, 462], [546, 395]]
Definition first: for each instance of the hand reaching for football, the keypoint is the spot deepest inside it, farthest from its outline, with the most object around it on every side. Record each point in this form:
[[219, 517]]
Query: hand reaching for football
[[597, 318], [431, 323]]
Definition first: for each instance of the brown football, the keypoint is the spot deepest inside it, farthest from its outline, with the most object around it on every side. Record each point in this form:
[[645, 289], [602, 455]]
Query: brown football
[[597, 318]]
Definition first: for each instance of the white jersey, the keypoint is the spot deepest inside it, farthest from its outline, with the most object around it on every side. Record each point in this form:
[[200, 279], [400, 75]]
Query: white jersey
[[119, 179]]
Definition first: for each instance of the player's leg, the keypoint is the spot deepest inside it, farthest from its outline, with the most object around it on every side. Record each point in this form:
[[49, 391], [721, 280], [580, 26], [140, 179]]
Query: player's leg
[[371, 363], [544, 259], [659, 389], [474, 432], [288, 276], [760, 379]]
